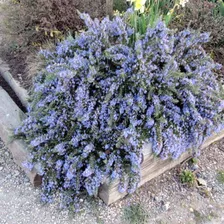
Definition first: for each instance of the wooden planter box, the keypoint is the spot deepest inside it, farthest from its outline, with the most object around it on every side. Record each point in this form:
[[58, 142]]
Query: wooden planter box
[[11, 116], [151, 167]]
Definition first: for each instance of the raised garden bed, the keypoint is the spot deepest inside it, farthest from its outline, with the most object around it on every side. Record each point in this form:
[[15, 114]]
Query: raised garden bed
[[13, 100], [91, 111], [151, 167], [11, 116]]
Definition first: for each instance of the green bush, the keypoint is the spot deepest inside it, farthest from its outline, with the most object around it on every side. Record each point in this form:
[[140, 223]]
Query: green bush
[[120, 5], [219, 9]]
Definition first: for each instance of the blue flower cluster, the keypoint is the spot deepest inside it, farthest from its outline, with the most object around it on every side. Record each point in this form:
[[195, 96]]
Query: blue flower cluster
[[101, 97]]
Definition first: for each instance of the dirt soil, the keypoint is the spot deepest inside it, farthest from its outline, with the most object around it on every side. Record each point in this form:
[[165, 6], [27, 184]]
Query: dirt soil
[[15, 58], [165, 199], [17, 64]]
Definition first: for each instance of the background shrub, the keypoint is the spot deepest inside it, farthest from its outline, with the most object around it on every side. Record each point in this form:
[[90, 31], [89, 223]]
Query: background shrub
[[29, 25], [120, 5], [36, 21], [205, 16], [101, 97]]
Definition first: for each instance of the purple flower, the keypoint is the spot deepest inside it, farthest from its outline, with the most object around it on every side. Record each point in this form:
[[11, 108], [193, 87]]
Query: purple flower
[[60, 148], [101, 96], [88, 171], [28, 165]]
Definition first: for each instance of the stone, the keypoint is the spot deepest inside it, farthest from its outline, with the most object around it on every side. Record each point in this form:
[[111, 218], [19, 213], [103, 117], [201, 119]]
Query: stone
[[16, 173], [202, 182], [198, 175], [7, 154], [167, 206], [195, 167]]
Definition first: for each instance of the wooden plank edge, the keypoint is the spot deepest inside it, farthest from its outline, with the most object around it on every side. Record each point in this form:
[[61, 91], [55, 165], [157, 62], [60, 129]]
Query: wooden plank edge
[[8, 120], [151, 168], [20, 156], [216, 136], [20, 92]]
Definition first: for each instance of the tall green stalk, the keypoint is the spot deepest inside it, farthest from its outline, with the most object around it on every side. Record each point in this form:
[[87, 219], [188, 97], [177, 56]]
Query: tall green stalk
[[154, 10]]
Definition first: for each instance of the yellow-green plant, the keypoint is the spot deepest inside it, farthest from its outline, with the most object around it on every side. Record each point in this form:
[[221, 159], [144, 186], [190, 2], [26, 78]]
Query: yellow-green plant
[[220, 8], [187, 177], [147, 12], [220, 176], [217, 7]]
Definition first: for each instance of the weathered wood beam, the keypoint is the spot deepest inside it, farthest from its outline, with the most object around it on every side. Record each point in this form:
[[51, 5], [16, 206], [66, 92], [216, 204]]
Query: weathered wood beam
[[19, 91], [10, 118], [150, 168]]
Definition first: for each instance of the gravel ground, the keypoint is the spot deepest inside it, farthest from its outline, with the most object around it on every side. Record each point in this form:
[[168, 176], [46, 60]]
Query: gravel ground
[[165, 199]]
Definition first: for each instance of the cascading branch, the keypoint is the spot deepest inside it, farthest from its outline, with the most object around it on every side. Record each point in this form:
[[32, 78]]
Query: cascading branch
[[101, 97]]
